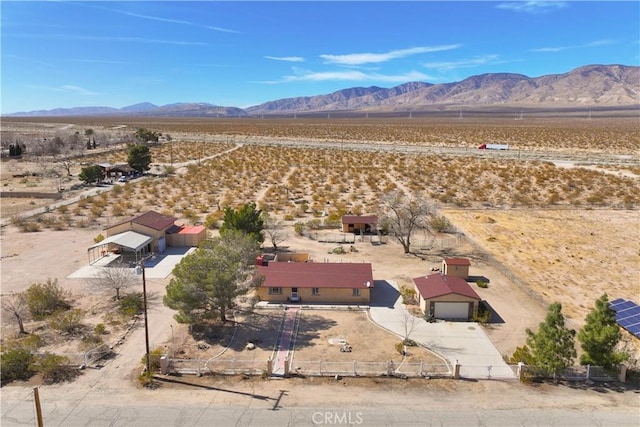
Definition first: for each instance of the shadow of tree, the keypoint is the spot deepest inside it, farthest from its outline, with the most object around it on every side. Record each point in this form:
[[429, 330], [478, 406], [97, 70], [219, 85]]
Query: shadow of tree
[[310, 328]]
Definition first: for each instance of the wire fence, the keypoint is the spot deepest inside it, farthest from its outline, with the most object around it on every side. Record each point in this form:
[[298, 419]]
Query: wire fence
[[403, 369], [87, 358]]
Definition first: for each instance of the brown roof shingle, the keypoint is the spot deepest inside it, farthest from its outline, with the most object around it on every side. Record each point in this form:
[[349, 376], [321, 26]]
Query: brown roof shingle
[[150, 219], [316, 275], [457, 261], [359, 219], [437, 284]]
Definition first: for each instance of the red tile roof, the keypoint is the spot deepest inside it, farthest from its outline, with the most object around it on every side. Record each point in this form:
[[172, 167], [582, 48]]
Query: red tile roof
[[316, 275], [150, 219], [437, 284], [193, 229], [359, 219], [457, 261]]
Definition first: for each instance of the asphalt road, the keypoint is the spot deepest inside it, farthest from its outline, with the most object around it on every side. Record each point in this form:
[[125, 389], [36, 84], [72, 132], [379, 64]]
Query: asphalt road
[[93, 408]]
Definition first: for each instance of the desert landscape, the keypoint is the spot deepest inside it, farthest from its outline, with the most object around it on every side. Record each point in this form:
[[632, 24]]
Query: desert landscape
[[548, 221]]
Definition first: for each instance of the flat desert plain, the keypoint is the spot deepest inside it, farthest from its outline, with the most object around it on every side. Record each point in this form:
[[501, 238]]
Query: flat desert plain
[[551, 236]]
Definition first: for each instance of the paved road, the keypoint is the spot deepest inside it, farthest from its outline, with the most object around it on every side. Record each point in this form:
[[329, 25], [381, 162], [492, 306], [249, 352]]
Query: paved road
[[212, 407], [462, 342]]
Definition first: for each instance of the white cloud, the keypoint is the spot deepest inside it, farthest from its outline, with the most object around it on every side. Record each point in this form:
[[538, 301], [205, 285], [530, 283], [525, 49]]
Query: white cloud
[[108, 39], [534, 7], [348, 75], [66, 88], [368, 58], [464, 63], [101, 61], [552, 49], [286, 58], [161, 19]]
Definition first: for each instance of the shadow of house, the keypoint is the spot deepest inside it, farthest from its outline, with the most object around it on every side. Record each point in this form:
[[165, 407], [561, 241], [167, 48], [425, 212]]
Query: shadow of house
[[383, 294]]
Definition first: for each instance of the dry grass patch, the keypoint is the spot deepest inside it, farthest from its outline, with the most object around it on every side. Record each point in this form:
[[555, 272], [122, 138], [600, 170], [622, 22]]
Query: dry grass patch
[[569, 256], [370, 343]]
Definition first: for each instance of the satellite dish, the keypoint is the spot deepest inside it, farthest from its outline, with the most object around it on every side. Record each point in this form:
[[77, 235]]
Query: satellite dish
[[368, 284]]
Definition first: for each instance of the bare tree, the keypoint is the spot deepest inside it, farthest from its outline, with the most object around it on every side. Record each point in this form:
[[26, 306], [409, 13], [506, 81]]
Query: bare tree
[[273, 230], [16, 306], [408, 323], [117, 278], [402, 214]]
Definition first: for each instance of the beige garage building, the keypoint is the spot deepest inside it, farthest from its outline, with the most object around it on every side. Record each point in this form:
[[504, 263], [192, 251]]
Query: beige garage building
[[446, 297]]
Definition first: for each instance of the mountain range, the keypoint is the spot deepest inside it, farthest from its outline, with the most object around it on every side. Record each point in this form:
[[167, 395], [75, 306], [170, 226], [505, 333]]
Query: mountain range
[[583, 87]]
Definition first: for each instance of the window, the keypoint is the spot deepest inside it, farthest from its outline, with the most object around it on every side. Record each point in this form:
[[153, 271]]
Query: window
[[275, 291], [315, 291], [356, 292]]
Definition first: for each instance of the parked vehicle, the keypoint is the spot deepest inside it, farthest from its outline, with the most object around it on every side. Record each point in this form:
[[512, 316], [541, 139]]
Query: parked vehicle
[[494, 147]]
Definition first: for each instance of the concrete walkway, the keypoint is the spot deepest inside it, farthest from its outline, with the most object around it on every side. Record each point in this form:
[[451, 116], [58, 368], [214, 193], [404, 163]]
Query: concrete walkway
[[282, 354], [464, 343]]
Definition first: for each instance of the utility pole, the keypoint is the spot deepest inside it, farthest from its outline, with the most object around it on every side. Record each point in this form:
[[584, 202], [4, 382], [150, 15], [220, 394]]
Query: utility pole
[[36, 398]]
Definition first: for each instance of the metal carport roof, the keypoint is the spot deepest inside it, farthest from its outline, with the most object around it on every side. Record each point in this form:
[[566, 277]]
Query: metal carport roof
[[128, 239]]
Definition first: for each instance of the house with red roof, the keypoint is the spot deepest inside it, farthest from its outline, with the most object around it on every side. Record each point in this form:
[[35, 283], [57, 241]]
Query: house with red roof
[[146, 233], [446, 297], [458, 267], [310, 282]]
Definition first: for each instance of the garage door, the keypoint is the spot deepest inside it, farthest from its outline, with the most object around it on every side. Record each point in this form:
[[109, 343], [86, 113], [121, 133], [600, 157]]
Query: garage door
[[451, 310]]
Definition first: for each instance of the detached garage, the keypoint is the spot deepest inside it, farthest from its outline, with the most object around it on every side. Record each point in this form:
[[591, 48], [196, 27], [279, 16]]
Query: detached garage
[[446, 297]]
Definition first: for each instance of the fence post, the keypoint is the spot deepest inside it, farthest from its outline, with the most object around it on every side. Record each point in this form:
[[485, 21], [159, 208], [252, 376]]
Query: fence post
[[622, 373], [520, 371], [588, 371], [164, 364], [286, 366], [456, 371], [320, 367], [422, 368], [233, 366], [269, 366], [198, 373], [354, 368]]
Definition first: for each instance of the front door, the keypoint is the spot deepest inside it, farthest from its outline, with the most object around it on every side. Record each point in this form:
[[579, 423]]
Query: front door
[[294, 294]]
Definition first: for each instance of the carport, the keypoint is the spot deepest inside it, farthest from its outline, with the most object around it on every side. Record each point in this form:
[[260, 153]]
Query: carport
[[128, 242]]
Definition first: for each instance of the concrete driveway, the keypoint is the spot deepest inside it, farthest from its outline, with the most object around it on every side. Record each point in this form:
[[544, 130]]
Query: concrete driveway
[[461, 342], [159, 268]]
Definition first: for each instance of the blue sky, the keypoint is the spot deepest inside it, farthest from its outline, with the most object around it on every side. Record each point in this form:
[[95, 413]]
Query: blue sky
[[237, 53]]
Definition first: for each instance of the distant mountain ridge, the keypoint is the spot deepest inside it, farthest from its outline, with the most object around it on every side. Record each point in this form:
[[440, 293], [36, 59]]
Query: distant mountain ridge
[[587, 86]]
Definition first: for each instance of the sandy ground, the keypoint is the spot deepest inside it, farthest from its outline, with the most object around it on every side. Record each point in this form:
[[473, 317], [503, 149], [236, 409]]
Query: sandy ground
[[28, 258]]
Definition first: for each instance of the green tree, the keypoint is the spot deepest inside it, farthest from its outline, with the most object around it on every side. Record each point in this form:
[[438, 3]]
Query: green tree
[[600, 336], [146, 135], [552, 347], [207, 282], [139, 157], [54, 368], [43, 299], [247, 219], [91, 174], [15, 364]]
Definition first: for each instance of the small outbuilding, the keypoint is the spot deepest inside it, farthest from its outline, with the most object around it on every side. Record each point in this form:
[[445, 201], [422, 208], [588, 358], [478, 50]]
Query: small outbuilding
[[359, 224], [458, 267], [446, 297], [186, 235]]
